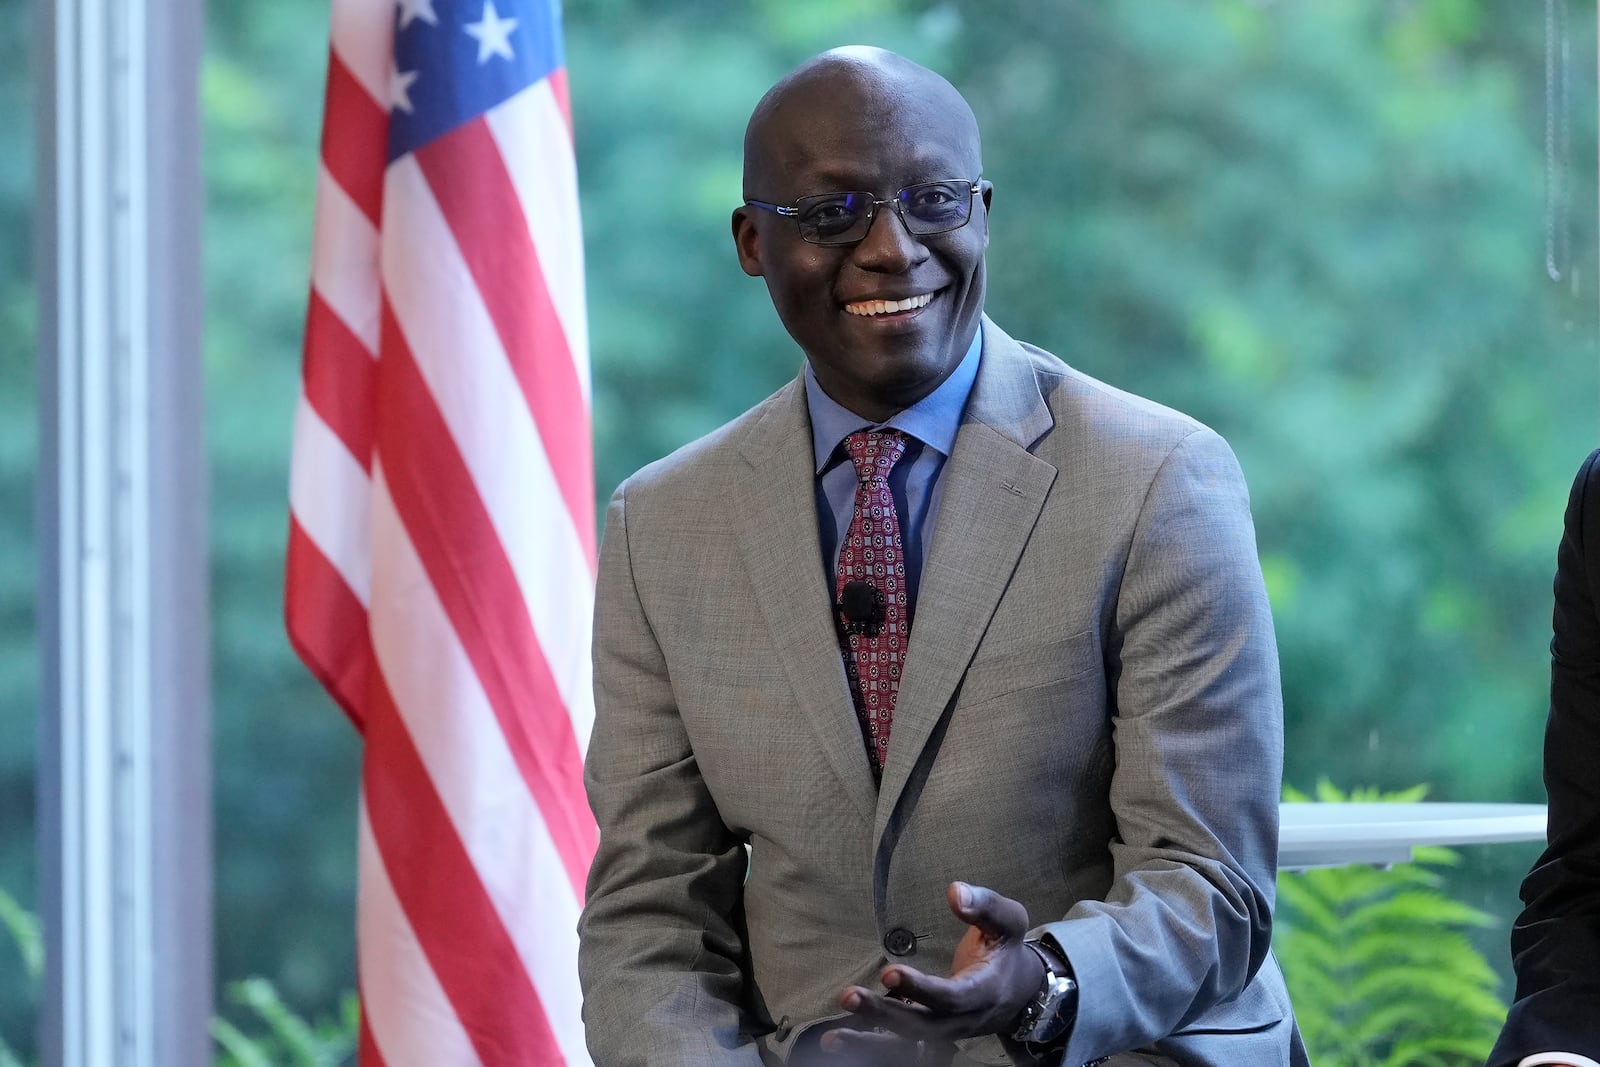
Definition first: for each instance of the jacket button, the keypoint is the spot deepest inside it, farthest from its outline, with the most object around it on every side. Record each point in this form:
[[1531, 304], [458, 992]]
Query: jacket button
[[900, 942]]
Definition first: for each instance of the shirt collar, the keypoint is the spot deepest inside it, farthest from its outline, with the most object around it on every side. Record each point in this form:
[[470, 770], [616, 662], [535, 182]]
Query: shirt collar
[[933, 420]]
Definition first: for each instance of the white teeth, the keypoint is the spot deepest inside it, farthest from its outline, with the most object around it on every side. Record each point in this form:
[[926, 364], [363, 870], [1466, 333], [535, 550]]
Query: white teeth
[[884, 307]]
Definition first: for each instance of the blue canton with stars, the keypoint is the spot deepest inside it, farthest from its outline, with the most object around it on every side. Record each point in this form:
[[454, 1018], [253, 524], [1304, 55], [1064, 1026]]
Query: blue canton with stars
[[456, 59]]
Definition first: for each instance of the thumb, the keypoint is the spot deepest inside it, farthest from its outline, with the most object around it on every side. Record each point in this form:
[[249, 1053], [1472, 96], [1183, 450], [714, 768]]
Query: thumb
[[997, 916]]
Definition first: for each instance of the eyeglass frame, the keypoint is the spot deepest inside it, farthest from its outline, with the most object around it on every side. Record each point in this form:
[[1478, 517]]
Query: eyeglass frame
[[792, 211]]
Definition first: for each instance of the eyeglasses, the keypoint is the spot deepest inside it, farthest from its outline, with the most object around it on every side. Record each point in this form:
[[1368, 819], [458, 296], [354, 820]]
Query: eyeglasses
[[845, 218]]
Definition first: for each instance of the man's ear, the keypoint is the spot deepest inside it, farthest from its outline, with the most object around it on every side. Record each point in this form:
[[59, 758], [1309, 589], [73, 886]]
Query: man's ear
[[746, 241]]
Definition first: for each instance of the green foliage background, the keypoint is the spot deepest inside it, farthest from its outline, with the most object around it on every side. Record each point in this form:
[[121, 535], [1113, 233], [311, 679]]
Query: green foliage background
[[1378, 963], [1320, 227], [19, 662]]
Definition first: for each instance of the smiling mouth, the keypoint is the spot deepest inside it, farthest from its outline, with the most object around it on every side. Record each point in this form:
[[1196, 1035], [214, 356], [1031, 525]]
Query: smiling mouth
[[871, 308]]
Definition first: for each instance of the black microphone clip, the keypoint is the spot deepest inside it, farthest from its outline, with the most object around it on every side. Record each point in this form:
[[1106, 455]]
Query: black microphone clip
[[863, 607]]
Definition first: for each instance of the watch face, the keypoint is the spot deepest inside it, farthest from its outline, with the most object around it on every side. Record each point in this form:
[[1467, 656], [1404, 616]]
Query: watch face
[[1029, 1020], [1050, 1027], [1056, 1009]]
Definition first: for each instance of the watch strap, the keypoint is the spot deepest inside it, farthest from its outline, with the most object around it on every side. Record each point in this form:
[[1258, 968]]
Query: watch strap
[[1047, 1016]]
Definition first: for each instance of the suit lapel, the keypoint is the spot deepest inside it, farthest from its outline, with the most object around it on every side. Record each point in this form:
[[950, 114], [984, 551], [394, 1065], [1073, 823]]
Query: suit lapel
[[993, 492], [778, 535]]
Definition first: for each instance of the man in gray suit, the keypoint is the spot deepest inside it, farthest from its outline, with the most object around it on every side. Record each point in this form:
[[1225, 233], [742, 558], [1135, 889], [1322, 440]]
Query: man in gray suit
[[937, 707]]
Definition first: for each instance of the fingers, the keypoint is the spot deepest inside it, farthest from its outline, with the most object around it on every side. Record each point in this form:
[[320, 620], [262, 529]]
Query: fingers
[[919, 1007], [861, 1044], [917, 1022], [943, 995], [852, 1047], [999, 917], [877, 1011], [993, 976]]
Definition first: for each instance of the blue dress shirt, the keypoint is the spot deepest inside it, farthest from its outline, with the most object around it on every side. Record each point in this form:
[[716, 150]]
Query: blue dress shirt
[[917, 481]]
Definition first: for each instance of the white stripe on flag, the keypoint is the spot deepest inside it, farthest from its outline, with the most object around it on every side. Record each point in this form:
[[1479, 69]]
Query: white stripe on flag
[[328, 494], [537, 147], [460, 356], [344, 260], [361, 34], [414, 1023], [470, 765]]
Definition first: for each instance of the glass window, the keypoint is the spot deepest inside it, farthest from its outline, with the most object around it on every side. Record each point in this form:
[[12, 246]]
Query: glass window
[[287, 763], [19, 451], [1358, 239]]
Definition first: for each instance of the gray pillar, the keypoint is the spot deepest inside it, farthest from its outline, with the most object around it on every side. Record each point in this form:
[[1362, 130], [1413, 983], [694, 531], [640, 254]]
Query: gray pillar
[[124, 764]]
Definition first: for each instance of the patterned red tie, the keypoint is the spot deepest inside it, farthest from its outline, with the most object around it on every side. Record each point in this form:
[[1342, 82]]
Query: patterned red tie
[[870, 590]]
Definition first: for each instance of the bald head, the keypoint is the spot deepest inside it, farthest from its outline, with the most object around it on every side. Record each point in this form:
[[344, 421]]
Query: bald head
[[885, 152], [796, 118]]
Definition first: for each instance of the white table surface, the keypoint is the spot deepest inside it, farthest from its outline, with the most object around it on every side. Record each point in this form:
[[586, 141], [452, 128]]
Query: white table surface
[[1335, 835]]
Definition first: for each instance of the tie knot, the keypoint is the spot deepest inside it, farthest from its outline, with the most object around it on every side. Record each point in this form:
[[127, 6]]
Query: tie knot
[[875, 452]]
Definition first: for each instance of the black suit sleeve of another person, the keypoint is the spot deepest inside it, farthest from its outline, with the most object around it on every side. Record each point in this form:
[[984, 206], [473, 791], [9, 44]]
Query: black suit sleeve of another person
[[1555, 944]]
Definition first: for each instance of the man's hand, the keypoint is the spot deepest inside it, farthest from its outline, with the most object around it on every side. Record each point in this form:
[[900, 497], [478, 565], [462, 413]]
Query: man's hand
[[992, 978]]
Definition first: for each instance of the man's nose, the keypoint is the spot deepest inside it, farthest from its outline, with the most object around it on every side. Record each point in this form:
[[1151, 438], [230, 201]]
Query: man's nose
[[888, 246]]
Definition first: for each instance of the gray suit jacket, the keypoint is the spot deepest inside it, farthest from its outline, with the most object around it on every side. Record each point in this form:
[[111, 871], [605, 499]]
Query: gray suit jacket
[[1089, 721]]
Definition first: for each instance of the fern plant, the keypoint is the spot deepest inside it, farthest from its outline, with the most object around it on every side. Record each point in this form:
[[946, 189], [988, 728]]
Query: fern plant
[[23, 928], [1378, 963], [286, 1039]]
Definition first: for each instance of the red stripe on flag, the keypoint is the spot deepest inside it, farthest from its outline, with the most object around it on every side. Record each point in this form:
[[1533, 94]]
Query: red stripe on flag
[[367, 1054], [558, 88], [456, 541], [474, 189], [327, 624], [355, 139], [339, 379], [455, 921]]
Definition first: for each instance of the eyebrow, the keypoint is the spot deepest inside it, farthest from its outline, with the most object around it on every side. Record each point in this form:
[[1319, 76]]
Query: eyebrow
[[829, 181]]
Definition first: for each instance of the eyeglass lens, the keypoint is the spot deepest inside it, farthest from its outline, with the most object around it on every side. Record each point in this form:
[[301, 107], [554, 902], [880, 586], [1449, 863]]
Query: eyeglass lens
[[840, 218]]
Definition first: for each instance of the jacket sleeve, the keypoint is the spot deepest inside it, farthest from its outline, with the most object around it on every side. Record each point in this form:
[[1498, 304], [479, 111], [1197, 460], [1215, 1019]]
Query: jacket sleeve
[[662, 946], [1555, 943], [1198, 730]]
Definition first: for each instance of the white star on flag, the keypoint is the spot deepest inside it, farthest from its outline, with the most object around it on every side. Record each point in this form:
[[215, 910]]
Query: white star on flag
[[400, 88], [411, 10], [493, 34]]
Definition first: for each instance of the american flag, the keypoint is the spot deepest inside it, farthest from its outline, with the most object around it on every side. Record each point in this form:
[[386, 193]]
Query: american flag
[[442, 544]]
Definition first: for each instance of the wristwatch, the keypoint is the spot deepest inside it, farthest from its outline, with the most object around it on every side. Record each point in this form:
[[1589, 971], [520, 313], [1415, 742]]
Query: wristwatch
[[1048, 1015]]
